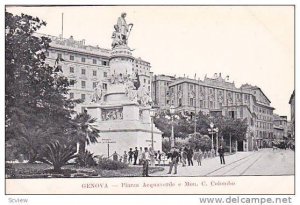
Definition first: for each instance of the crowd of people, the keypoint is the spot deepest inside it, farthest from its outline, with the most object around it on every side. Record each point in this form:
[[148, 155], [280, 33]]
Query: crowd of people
[[186, 156]]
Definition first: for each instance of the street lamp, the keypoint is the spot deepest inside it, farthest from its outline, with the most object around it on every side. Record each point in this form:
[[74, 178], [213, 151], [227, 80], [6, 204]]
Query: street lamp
[[217, 139], [172, 112], [213, 130], [152, 115]]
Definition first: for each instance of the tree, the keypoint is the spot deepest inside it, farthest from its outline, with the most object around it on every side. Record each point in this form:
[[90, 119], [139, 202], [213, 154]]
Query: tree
[[84, 131], [35, 95], [235, 129], [31, 141], [182, 126], [198, 141], [58, 155]]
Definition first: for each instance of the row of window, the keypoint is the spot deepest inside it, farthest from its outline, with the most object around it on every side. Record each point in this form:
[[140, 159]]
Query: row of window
[[83, 84], [264, 125], [82, 59], [265, 111], [83, 72], [142, 63], [262, 117], [147, 68], [211, 91]]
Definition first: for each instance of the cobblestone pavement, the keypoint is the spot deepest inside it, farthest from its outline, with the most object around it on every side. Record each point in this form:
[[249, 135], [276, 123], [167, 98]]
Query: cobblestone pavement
[[262, 162]]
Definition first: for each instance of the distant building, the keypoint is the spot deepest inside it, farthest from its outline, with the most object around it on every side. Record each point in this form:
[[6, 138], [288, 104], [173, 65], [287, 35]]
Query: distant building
[[219, 96], [280, 126], [292, 105], [161, 91], [143, 67]]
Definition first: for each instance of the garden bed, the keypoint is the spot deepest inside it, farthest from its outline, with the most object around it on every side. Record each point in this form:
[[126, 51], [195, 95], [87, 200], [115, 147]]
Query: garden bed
[[40, 170]]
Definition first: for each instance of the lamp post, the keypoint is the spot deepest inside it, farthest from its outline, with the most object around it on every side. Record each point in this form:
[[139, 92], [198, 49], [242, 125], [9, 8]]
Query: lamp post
[[217, 139], [152, 115], [172, 111], [213, 130]]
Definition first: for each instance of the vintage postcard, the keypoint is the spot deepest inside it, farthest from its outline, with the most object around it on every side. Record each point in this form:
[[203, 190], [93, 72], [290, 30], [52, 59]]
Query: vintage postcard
[[149, 99]]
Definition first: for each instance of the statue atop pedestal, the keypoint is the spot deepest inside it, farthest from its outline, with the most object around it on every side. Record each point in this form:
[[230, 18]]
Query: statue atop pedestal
[[121, 32]]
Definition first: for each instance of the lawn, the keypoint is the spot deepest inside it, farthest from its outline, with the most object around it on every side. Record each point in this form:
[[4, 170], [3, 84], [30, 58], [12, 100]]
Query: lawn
[[40, 170]]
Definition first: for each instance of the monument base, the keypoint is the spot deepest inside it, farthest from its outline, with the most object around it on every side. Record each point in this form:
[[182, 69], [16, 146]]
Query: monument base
[[128, 130], [122, 140]]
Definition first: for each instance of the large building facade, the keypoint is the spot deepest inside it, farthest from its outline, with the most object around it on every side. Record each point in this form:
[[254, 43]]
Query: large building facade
[[217, 95]]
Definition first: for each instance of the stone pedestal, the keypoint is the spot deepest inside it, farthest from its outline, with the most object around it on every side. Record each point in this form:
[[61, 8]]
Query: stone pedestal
[[123, 113]]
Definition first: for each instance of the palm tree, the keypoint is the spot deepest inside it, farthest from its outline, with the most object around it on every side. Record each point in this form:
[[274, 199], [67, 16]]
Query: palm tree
[[86, 132], [58, 154], [32, 139]]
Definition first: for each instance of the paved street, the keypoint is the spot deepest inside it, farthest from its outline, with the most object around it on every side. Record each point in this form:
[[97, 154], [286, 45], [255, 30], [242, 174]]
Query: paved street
[[262, 162]]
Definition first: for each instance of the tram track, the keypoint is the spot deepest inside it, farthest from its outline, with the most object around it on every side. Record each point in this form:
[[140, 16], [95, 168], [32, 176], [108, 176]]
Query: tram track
[[233, 165]]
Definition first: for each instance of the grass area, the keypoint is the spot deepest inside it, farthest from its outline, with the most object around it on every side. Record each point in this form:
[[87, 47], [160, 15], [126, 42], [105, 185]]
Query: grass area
[[40, 170]]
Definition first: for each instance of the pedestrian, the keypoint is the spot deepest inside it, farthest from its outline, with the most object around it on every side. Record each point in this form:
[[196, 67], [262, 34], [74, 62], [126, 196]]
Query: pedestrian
[[115, 156], [152, 157], [195, 157], [199, 157], [213, 152], [209, 154], [125, 156], [158, 157], [130, 155], [205, 154], [135, 155], [190, 154], [184, 156], [145, 162], [221, 154], [140, 156], [174, 159]]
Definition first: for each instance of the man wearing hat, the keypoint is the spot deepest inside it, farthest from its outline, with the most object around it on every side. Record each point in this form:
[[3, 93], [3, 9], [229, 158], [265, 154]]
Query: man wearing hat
[[174, 156]]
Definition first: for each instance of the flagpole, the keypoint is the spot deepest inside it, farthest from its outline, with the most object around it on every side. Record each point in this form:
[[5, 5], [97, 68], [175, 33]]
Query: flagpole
[[62, 25]]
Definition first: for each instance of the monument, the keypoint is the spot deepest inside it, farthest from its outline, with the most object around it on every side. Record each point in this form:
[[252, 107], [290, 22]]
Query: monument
[[123, 111]]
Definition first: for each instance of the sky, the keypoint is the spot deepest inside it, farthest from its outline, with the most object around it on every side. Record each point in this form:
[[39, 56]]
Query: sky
[[251, 44]]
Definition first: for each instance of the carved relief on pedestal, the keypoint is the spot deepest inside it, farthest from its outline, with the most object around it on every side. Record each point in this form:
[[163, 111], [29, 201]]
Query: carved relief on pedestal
[[112, 114], [119, 78]]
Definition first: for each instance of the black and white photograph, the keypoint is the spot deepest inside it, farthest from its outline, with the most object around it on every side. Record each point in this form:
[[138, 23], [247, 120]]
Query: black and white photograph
[[149, 95]]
